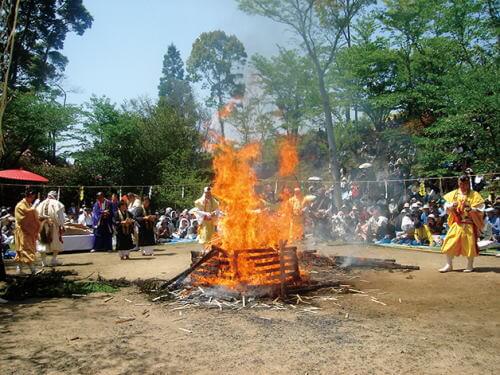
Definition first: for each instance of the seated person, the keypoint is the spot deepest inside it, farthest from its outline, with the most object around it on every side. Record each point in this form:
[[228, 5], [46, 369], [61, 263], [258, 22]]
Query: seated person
[[85, 217], [183, 228], [163, 228], [192, 232]]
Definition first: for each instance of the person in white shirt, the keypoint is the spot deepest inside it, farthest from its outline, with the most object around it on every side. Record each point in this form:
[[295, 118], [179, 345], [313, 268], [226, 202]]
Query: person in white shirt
[[51, 212], [85, 217]]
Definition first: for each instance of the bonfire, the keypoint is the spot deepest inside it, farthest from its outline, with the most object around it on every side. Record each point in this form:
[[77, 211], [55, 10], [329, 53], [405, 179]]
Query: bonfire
[[250, 249]]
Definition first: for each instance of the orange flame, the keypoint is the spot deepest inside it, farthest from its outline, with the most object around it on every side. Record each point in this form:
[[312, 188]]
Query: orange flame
[[228, 109], [289, 158], [248, 221]]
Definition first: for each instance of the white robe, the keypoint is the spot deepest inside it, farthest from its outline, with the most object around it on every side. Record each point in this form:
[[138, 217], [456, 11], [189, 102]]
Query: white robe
[[52, 211]]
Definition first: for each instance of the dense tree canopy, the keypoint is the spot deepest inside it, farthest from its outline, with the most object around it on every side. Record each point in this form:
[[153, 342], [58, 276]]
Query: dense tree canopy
[[216, 60], [42, 27], [413, 83]]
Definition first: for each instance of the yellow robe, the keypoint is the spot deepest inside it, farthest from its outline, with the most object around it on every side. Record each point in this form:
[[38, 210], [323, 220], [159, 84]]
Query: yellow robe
[[464, 227], [26, 232], [296, 206], [424, 234], [207, 226]]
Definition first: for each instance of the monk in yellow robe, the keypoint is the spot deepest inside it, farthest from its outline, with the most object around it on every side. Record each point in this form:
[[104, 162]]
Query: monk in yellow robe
[[26, 232], [206, 210], [465, 221], [423, 235]]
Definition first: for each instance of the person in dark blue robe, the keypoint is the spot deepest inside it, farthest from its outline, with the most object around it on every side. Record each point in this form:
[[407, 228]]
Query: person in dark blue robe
[[103, 224], [124, 225]]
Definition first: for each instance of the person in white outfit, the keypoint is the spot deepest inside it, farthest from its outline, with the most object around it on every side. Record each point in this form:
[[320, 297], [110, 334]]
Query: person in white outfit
[[51, 213]]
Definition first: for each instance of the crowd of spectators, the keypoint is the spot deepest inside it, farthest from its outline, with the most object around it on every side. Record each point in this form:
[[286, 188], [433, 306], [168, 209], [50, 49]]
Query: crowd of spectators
[[414, 215], [420, 219]]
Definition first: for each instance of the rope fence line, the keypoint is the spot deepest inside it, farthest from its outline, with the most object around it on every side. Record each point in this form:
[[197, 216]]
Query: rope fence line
[[201, 184]]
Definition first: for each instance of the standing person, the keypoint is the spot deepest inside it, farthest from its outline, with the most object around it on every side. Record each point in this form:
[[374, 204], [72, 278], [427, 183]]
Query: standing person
[[124, 224], [207, 209], [51, 213], [103, 224], [146, 220], [297, 206], [465, 221], [115, 202], [134, 202], [26, 232]]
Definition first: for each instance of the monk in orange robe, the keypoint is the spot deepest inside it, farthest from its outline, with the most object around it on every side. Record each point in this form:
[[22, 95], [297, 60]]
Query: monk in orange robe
[[26, 232]]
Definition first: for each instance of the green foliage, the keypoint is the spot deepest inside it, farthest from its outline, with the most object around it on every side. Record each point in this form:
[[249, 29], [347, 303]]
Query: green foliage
[[288, 79], [53, 284], [41, 30], [143, 143], [174, 90], [33, 123], [253, 119], [217, 60]]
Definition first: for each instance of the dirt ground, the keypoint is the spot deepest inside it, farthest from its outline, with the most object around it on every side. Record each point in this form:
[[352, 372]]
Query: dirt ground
[[431, 323]]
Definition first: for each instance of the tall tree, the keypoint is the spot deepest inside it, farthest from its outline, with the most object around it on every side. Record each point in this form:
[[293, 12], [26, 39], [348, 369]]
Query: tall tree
[[217, 60], [288, 79], [9, 11], [174, 90], [41, 30], [321, 28]]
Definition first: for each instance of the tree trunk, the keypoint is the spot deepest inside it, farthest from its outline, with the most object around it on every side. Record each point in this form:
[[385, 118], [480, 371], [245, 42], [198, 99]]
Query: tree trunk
[[332, 146], [221, 121]]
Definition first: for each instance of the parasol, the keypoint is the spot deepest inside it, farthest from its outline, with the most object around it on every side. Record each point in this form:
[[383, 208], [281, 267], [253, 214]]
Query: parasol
[[22, 175]]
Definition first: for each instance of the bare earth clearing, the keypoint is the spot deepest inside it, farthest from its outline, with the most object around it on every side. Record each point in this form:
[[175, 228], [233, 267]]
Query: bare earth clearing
[[443, 324]]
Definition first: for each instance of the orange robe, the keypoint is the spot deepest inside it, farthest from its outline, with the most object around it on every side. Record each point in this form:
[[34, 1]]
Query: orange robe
[[26, 232], [464, 227]]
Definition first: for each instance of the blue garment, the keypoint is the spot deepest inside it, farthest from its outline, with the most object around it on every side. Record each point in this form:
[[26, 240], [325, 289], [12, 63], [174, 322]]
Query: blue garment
[[103, 225], [423, 218], [495, 224]]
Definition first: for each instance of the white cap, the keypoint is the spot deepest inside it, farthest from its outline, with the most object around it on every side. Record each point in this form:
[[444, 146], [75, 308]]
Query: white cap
[[406, 205]]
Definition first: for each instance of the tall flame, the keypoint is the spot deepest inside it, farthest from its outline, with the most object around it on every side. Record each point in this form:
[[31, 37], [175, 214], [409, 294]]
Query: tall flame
[[248, 221], [289, 158]]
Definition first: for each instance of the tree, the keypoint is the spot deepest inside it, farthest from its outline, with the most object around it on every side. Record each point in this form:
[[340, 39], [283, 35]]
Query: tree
[[252, 119], [173, 68], [33, 124], [321, 28], [174, 90], [9, 11], [142, 143], [288, 79], [41, 30], [217, 59]]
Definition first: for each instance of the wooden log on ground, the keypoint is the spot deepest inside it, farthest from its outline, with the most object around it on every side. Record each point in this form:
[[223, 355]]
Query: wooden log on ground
[[356, 260], [193, 267]]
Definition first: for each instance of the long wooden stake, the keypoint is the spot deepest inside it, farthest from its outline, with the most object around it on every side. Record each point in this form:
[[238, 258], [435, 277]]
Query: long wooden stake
[[187, 272]]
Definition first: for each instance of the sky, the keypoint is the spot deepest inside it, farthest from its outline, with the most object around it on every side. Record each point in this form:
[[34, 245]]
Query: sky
[[121, 55]]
